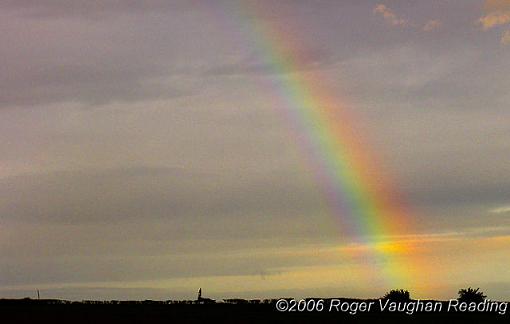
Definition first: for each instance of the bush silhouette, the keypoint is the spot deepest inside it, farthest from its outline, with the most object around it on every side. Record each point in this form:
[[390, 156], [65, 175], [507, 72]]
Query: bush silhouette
[[471, 295], [398, 295]]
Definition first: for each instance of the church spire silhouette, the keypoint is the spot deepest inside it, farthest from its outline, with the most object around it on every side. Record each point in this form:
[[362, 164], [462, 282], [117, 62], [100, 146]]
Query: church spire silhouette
[[203, 300]]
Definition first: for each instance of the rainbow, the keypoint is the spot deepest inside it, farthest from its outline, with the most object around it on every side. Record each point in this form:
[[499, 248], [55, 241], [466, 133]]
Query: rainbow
[[360, 196]]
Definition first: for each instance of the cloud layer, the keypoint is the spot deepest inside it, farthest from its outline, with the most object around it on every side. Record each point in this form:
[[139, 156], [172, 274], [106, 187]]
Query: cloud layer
[[145, 144]]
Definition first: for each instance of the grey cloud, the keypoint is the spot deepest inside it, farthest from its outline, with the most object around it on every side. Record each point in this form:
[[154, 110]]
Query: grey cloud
[[96, 62], [446, 193], [65, 269], [90, 9], [90, 84], [108, 268], [176, 195], [312, 59], [435, 103]]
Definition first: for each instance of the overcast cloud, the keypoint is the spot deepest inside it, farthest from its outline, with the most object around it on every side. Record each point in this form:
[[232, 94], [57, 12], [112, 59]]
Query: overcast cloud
[[143, 139]]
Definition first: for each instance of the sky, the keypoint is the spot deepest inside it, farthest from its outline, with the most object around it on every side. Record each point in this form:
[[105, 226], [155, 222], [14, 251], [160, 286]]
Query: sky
[[144, 155]]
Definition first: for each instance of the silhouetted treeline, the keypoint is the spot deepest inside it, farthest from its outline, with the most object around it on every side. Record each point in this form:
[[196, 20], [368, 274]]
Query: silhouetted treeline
[[238, 310], [235, 301]]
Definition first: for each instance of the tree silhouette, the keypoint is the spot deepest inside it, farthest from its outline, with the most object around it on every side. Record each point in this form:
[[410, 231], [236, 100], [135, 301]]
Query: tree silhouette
[[398, 295], [471, 295]]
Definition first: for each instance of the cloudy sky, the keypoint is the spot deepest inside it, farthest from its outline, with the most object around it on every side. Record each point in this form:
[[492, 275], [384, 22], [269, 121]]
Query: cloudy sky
[[143, 155]]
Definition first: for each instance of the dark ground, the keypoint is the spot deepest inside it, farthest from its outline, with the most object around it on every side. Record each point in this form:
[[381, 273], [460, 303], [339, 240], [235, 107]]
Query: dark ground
[[56, 311]]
